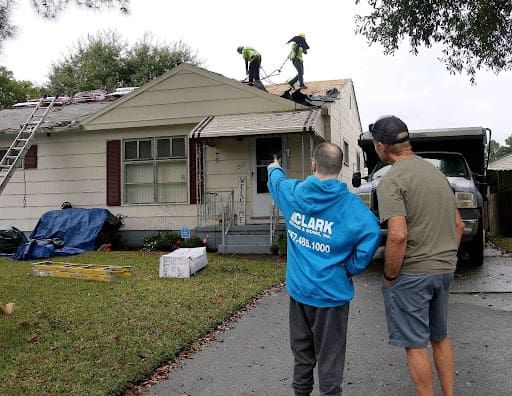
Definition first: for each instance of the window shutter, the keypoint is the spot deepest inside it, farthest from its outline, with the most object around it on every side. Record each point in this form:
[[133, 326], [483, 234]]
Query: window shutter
[[30, 160], [114, 173], [192, 171]]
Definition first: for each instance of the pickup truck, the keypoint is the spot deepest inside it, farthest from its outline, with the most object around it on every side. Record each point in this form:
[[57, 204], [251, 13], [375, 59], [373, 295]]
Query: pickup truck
[[460, 154]]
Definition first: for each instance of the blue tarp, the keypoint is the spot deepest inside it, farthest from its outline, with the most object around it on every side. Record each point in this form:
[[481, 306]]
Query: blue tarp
[[77, 228]]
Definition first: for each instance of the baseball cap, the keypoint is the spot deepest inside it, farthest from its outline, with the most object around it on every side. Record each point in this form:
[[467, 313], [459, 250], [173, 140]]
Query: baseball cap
[[387, 128]]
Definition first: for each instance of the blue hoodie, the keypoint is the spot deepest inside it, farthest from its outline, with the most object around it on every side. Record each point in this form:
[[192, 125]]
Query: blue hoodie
[[331, 236]]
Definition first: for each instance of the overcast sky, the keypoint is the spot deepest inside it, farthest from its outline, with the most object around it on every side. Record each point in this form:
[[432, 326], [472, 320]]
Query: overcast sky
[[416, 88]]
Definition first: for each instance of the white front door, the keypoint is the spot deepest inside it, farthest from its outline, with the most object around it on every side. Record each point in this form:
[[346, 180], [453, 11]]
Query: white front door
[[264, 149]]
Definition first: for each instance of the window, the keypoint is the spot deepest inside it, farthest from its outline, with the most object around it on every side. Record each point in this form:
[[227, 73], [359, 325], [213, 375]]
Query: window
[[358, 164], [155, 170], [346, 153]]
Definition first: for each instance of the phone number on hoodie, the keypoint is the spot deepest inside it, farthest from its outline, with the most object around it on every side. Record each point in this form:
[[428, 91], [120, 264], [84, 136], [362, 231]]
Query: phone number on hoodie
[[305, 242]]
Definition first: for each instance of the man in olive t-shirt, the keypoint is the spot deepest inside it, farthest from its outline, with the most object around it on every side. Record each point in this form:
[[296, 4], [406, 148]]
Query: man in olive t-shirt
[[424, 232]]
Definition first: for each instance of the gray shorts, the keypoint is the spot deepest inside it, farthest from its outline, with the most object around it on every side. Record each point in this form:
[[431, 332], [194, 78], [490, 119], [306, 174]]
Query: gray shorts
[[417, 309]]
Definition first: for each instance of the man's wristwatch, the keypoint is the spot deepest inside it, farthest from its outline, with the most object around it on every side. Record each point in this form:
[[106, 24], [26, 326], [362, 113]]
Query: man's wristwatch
[[389, 278]]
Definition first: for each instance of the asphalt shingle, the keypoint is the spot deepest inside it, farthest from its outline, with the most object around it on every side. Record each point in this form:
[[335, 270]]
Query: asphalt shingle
[[61, 116]]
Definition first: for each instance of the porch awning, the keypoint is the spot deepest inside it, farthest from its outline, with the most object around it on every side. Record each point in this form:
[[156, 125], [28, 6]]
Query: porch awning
[[256, 124]]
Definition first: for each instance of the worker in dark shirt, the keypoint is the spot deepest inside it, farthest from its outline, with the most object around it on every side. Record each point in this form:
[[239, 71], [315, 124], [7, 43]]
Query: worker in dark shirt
[[252, 60], [299, 47]]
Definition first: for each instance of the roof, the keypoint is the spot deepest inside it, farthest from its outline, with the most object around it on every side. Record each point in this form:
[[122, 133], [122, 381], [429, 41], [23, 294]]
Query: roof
[[256, 124], [280, 103], [502, 164], [313, 87], [59, 116]]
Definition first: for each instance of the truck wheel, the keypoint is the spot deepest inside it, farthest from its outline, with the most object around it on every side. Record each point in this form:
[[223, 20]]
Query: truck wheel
[[476, 255]]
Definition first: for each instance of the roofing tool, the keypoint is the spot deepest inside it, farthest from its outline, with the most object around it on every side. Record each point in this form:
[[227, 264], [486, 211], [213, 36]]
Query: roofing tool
[[23, 140], [97, 272]]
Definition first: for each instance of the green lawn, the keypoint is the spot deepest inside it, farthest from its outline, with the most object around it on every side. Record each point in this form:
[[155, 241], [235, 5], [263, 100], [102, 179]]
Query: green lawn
[[502, 242], [80, 337]]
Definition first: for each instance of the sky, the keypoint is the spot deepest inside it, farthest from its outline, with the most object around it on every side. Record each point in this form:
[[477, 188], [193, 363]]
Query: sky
[[417, 89]]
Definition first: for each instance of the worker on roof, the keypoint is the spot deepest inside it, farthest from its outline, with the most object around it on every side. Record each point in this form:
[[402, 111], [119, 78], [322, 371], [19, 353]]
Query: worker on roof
[[299, 47], [252, 60]]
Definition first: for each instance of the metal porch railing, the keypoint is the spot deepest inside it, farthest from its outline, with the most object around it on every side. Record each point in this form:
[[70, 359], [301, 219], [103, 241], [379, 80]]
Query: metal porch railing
[[217, 207], [274, 221]]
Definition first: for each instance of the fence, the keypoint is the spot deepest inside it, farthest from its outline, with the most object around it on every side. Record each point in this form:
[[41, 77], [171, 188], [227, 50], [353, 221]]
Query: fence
[[500, 213]]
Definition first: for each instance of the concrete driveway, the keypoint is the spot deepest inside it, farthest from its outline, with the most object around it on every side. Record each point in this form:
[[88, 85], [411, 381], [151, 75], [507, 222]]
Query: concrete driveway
[[253, 357]]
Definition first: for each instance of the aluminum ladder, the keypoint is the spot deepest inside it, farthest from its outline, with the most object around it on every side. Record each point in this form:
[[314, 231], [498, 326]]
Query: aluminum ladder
[[23, 140]]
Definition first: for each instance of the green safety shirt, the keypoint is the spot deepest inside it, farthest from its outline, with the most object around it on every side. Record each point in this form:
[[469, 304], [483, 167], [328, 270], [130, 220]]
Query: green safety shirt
[[296, 52], [249, 53]]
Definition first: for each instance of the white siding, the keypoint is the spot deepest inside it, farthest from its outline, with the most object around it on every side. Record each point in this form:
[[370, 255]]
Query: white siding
[[346, 126], [72, 167], [225, 163]]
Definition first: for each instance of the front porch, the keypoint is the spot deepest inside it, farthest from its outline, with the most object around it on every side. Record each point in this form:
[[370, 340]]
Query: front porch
[[247, 239], [222, 223], [234, 207]]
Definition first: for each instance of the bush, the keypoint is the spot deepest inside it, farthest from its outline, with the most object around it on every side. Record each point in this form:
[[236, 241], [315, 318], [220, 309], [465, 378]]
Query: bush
[[164, 241], [282, 245], [109, 233], [191, 242]]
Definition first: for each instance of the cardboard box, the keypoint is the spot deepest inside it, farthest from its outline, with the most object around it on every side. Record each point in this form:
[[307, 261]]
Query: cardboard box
[[183, 263]]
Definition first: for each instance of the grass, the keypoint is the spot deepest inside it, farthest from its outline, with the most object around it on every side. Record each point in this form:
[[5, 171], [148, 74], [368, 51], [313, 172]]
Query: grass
[[80, 337], [502, 242]]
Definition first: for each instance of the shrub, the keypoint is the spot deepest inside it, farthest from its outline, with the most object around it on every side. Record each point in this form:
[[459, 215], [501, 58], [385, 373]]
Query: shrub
[[191, 242], [282, 245], [109, 233], [165, 241]]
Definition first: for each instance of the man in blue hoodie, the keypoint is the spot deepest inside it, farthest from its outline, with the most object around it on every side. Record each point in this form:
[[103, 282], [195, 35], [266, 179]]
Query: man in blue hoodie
[[331, 237]]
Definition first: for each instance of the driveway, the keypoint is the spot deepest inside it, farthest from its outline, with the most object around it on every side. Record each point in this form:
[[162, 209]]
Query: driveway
[[253, 357]]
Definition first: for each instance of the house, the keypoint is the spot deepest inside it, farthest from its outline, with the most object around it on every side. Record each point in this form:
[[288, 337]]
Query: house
[[500, 198], [188, 149]]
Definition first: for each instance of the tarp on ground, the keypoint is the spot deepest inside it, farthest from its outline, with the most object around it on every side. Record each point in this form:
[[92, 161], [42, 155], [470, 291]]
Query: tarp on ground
[[75, 229]]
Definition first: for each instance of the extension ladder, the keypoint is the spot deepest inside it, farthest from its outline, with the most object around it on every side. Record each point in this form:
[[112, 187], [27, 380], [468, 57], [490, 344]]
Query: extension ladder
[[81, 271], [23, 140]]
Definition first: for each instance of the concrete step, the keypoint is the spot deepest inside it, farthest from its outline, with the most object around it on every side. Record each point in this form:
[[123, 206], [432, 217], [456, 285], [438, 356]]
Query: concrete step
[[251, 229], [244, 249], [244, 239]]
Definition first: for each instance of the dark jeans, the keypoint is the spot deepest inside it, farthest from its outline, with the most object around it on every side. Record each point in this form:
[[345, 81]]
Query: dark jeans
[[300, 72], [318, 335], [254, 69]]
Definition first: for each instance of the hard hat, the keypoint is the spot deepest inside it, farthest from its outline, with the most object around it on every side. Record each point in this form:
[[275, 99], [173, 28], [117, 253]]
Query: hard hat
[[302, 35], [240, 49]]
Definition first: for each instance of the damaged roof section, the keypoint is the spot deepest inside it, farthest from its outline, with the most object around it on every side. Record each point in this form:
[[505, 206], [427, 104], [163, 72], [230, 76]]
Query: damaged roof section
[[317, 93], [58, 117], [256, 124]]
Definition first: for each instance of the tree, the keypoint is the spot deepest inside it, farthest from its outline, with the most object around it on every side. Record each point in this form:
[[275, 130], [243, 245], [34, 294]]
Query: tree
[[95, 63], [497, 151], [105, 61], [147, 60], [51, 9], [473, 34], [13, 91]]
